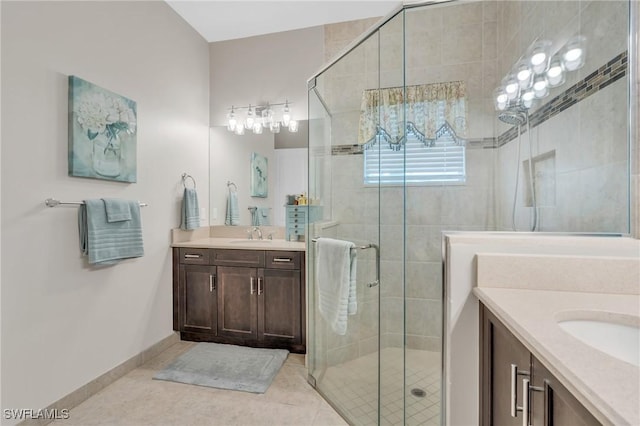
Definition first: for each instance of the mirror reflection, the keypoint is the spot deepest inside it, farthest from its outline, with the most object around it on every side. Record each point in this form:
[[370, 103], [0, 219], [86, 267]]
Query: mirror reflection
[[278, 160]]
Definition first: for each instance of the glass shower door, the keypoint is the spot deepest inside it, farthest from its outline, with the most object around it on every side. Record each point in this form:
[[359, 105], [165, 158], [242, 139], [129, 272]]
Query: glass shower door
[[344, 366]]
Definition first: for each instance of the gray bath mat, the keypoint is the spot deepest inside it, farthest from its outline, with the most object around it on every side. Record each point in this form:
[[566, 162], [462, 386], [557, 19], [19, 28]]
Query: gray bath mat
[[226, 367]]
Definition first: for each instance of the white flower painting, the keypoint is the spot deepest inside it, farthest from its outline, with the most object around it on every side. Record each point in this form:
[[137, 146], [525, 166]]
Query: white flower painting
[[102, 133]]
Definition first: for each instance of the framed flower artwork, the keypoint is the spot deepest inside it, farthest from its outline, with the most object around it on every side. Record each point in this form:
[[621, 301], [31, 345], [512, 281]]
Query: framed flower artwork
[[102, 133], [259, 181]]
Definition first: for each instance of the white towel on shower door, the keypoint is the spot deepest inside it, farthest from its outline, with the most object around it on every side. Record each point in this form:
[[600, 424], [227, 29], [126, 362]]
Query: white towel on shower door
[[336, 281]]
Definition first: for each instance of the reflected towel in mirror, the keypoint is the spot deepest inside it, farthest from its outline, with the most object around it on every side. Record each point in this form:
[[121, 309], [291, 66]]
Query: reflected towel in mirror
[[232, 217]]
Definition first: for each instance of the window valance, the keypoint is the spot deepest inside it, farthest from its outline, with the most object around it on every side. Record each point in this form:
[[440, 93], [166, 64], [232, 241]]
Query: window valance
[[428, 107]]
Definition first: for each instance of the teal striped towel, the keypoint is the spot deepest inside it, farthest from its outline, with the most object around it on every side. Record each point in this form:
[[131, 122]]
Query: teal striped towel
[[104, 242], [190, 217], [260, 216], [117, 209], [233, 213]]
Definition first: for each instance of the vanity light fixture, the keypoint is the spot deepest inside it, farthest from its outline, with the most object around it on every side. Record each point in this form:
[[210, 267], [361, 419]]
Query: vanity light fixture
[[259, 117], [537, 71]]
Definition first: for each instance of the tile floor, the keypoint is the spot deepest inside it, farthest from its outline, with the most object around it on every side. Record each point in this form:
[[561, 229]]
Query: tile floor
[[353, 385], [137, 400]]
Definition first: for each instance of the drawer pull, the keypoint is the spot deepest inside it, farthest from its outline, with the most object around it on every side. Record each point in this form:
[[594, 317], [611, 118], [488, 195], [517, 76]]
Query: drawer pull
[[192, 256], [260, 289], [211, 285], [252, 288], [282, 259], [514, 389]]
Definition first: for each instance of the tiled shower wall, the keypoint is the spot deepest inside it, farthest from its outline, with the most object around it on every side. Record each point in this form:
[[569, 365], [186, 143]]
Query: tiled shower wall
[[583, 185], [443, 43], [577, 153]]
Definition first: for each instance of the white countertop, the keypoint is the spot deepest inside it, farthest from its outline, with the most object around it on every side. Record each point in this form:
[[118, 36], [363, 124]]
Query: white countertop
[[608, 387], [244, 244]]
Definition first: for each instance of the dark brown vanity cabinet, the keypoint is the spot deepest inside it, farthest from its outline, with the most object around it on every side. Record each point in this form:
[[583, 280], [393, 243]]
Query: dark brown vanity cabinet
[[516, 388], [195, 301], [256, 298]]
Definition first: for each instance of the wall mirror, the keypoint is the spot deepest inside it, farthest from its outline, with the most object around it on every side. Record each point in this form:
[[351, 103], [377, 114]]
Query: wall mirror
[[282, 155]]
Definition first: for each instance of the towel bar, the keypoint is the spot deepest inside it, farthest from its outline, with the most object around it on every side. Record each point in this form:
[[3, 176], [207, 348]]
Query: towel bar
[[364, 247], [52, 202]]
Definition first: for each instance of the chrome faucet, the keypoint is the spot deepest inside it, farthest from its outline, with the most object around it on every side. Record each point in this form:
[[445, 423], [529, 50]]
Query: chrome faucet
[[258, 230]]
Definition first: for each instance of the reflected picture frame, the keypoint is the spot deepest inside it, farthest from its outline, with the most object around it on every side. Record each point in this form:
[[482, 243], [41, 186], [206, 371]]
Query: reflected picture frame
[[259, 176]]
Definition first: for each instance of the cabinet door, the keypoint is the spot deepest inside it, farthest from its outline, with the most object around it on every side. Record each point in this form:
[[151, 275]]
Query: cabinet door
[[556, 405], [197, 299], [237, 302], [500, 350], [279, 306]]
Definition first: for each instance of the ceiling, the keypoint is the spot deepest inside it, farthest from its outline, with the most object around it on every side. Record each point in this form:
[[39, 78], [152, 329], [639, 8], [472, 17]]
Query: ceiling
[[218, 20]]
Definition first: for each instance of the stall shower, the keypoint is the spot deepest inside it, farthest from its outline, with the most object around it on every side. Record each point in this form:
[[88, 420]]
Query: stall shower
[[407, 140]]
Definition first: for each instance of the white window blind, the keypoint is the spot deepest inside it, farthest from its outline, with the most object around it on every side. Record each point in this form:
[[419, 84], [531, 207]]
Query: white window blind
[[415, 163]]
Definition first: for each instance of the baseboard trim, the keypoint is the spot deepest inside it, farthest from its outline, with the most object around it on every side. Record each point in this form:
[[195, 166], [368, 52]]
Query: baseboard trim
[[83, 393]]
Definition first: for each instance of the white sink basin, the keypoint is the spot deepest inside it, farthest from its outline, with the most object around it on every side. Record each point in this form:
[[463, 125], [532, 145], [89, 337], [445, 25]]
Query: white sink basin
[[621, 341]]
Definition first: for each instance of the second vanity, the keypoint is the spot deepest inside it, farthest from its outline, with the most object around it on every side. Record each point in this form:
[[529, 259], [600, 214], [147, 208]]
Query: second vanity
[[240, 291]]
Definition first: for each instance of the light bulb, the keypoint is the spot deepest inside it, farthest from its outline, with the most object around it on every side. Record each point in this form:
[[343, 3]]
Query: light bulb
[[573, 53], [231, 121], [286, 114], [540, 86], [248, 122], [511, 87], [500, 99], [293, 126], [239, 130], [539, 56], [257, 128], [527, 98], [555, 73], [275, 127], [267, 116], [523, 74]]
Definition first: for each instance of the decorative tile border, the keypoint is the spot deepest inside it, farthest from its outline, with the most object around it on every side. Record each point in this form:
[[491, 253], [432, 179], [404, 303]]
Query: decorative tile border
[[477, 143], [608, 73], [347, 149]]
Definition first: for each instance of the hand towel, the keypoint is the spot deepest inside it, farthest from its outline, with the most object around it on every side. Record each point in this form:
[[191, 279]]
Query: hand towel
[[233, 213], [190, 217], [335, 271], [263, 216], [105, 243], [117, 209], [260, 216]]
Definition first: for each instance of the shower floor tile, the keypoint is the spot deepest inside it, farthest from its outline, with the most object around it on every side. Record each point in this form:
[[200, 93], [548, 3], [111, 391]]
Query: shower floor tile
[[352, 387]]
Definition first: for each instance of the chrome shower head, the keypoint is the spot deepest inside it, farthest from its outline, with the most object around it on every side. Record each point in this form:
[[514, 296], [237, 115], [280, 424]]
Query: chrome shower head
[[513, 116]]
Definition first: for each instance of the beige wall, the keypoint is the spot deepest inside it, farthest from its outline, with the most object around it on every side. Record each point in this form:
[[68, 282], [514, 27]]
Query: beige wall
[[65, 323], [268, 68]]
